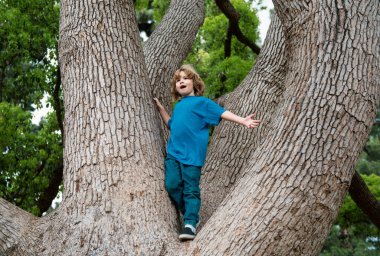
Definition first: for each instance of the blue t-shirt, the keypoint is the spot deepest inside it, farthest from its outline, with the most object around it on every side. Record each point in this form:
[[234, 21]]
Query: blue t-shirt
[[189, 128]]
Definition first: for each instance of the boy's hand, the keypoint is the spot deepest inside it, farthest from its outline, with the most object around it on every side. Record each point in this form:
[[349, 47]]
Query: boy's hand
[[249, 122], [165, 116], [158, 103]]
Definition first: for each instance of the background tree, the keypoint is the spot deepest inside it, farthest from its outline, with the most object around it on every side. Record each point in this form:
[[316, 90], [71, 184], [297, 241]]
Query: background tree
[[281, 200], [220, 58], [353, 232], [31, 159], [369, 161]]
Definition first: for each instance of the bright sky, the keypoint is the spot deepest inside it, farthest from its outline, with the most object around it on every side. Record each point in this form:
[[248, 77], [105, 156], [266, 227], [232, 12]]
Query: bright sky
[[41, 112], [264, 17]]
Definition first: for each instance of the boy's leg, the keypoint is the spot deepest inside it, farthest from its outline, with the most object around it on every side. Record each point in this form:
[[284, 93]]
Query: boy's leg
[[174, 182], [191, 193]]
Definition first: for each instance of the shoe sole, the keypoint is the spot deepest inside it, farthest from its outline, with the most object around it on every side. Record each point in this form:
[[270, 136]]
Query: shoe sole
[[184, 237]]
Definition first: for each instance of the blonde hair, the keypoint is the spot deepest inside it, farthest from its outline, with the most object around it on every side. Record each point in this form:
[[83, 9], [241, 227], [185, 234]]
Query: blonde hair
[[190, 72]]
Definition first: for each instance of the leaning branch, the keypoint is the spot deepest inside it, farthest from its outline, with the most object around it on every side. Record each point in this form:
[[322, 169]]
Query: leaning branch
[[267, 76], [364, 199], [57, 102], [171, 42], [233, 16], [44, 202]]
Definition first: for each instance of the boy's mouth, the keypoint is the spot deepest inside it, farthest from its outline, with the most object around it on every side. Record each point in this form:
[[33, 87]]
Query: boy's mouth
[[182, 87]]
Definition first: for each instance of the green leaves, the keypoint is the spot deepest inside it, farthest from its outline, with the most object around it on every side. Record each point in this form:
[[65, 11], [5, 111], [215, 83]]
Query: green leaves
[[28, 30], [222, 74], [28, 70], [354, 234], [226, 75], [350, 214], [28, 156]]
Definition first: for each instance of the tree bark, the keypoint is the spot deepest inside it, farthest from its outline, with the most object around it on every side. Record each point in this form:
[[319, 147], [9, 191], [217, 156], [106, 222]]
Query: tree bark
[[15, 225], [293, 185], [169, 45], [231, 145], [280, 196], [113, 196]]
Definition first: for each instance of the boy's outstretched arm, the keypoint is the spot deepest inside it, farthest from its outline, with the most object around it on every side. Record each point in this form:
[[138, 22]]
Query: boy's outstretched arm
[[248, 121], [165, 116]]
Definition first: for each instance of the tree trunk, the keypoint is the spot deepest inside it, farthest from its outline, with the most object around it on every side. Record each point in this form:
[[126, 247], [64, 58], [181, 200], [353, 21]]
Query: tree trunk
[[231, 145], [169, 45], [317, 97], [291, 189]]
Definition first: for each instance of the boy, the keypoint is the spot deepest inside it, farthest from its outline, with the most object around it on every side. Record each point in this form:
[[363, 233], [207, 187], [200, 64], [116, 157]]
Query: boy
[[187, 145]]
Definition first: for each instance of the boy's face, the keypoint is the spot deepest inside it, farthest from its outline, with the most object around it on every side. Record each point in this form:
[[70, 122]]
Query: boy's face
[[184, 85]]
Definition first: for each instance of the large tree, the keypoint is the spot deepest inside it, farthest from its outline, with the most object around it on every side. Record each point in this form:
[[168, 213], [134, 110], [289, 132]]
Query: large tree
[[276, 190]]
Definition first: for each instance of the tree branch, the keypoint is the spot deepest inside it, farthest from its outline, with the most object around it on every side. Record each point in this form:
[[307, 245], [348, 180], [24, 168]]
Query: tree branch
[[13, 223], [233, 16], [170, 44], [228, 41], [261, 90], [57, 102], [44, 202], [364, 199]]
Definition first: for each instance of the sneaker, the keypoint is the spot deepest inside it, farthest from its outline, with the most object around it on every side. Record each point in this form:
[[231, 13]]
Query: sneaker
[[186, 234]]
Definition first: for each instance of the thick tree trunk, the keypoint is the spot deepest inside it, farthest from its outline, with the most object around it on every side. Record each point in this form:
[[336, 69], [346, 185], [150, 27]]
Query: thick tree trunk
[[281, 198], [293, 185], [231, 145], [169, 45], [114, 196]]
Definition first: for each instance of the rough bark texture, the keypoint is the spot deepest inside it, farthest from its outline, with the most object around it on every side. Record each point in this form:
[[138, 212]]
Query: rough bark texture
[[169, 45], [279, 196], [231, 144], [293, 185], [14, 226], [114, 196]]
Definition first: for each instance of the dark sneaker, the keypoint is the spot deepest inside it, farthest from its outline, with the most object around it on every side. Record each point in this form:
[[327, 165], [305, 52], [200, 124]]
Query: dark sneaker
[[186, 234]]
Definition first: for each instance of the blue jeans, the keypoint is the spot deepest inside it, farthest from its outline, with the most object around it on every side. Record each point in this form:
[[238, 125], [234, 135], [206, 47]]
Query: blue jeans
[[182, 184]]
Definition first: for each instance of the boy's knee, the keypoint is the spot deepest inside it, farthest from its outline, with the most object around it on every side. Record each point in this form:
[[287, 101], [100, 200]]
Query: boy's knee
[[192, 192], [172, 186]]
